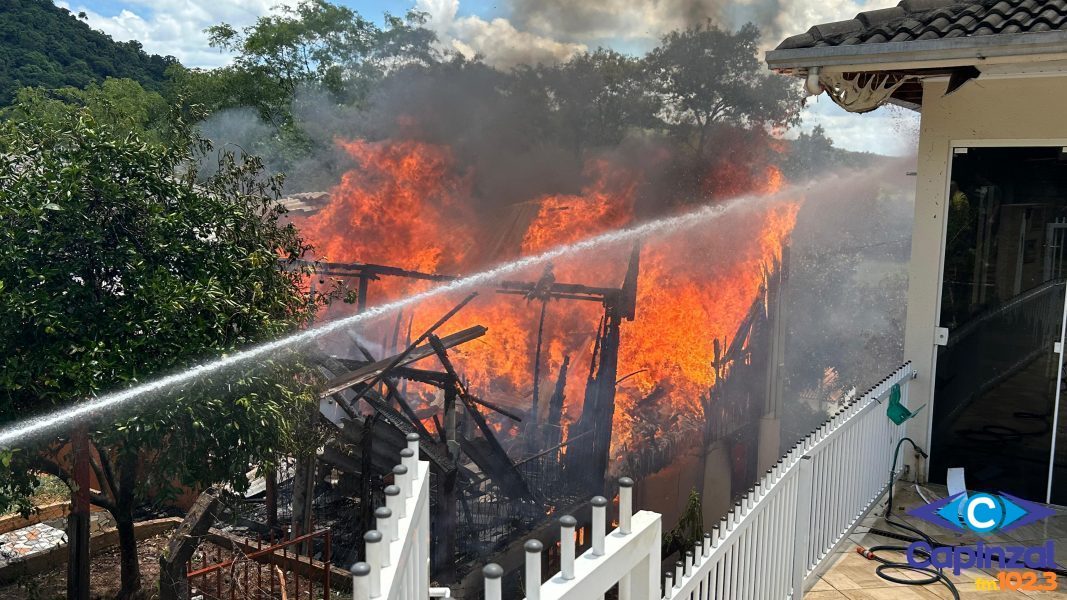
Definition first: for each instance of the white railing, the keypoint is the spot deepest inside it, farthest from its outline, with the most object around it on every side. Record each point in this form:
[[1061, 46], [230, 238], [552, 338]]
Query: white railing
[[397, 563], [628, 556], [766, 547]]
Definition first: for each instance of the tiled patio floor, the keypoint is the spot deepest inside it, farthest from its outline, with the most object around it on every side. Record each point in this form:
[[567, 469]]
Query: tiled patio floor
[[852, 577], [29, 540]]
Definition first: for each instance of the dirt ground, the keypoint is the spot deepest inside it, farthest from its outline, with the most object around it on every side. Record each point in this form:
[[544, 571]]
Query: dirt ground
[[103, 573]]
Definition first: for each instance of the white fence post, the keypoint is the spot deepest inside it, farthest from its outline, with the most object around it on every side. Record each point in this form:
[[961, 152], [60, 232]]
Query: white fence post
[[373, 542], [360, 581], [492, 573], [533, 569], [600, 514], [802, 527], [567, 524], [737, 559]]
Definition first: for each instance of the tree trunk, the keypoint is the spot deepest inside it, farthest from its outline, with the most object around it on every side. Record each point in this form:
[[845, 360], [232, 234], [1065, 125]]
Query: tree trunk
[[125, 498], [131, 570]]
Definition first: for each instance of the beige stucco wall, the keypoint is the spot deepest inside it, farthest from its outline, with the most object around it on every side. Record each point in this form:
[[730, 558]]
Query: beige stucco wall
[[1027, 111]]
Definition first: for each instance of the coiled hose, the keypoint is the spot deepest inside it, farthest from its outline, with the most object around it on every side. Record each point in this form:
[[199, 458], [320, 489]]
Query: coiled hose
[[883, 570]]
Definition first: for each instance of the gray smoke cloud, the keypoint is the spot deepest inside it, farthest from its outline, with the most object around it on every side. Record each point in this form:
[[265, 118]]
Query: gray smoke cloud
[[553, 30], [846, 290]]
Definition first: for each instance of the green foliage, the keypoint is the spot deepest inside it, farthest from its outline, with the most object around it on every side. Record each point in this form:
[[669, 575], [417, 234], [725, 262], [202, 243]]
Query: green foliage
[[599, 96], [44, 45], [814, 153], [699, 83], [122, 104], [689, 530], [315, 44], [707, 76], [117, 265]]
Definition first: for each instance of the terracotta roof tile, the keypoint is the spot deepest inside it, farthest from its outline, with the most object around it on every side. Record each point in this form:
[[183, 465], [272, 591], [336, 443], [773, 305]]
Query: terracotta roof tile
[[936, 19]]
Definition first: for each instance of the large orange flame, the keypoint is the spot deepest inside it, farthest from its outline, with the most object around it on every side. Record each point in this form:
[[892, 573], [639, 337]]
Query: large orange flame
[[408, 205]]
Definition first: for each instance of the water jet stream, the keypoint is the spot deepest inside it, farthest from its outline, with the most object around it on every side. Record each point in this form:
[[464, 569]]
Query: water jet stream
[[22, 432]]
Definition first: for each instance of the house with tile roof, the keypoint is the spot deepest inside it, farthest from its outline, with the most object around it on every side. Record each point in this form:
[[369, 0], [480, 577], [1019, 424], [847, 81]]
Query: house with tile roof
[[986, 304]]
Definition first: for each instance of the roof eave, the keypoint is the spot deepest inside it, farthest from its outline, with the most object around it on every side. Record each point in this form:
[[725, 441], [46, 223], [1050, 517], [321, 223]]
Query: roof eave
[[957, 51]]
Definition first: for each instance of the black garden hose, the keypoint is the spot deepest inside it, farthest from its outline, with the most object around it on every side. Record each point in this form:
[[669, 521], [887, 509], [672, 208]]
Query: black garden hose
[[933, 575]]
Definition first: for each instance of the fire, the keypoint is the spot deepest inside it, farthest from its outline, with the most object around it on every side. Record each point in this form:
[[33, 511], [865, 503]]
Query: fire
[[404, 206], [408, 204], [603, 205]]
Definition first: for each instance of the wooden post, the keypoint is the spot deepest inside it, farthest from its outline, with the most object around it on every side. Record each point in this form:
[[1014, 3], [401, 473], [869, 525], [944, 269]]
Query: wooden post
[[173, 583], [271, 498], [444, 551], [361, 293], [553, 431], [78, 521]]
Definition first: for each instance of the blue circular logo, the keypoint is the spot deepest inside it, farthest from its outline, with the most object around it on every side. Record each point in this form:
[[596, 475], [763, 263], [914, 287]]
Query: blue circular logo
[[983, 512]]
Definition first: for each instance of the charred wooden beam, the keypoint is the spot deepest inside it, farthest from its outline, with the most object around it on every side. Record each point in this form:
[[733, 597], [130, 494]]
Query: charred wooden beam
[[371, 271], [401, 401], [378, 368], [495, 408], [434, 378], [572, 291], [504, 472], [590, 463], [553, 430]]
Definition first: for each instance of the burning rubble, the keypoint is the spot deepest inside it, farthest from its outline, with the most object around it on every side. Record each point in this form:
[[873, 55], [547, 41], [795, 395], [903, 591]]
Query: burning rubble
[[409, 203]]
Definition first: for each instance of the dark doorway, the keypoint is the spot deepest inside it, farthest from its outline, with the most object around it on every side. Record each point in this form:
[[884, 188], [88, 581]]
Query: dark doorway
[[1002, 301]]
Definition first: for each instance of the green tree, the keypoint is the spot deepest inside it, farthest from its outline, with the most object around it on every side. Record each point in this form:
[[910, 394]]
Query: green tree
[[115, 265], [319, 44], [42, 44], [598, 96], [120, 103], [688, 531], [810, 153], [707, 77]]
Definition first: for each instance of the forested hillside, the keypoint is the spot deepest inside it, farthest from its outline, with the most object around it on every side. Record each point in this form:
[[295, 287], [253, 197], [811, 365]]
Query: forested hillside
[[44, 45]]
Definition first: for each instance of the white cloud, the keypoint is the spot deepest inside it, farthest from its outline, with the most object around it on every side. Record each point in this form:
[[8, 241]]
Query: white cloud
[[890, 130], [176, 27], [795, 17], [497, 40]]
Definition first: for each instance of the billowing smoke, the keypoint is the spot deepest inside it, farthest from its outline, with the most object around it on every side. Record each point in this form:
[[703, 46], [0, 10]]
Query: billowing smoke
[[497, 40], [846, 291], [552, 31]]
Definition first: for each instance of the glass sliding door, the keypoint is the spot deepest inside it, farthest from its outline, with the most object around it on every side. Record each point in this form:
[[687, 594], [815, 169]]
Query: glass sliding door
[[999, 374]]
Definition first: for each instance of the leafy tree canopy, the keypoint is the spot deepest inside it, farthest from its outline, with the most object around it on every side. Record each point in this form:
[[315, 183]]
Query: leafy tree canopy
[[44, 45], [315, 43], [116, 265], [122, 104], [708, 76]]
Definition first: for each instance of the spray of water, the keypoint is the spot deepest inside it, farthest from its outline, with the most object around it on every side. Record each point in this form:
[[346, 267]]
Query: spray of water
[[24, 431]]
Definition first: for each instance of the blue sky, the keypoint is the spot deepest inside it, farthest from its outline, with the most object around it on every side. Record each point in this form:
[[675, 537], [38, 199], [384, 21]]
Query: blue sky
[[507, 32]]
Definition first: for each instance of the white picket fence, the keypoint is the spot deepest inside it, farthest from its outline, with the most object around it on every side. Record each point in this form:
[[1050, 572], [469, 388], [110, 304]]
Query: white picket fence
[[398, 549], [765, 548]]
